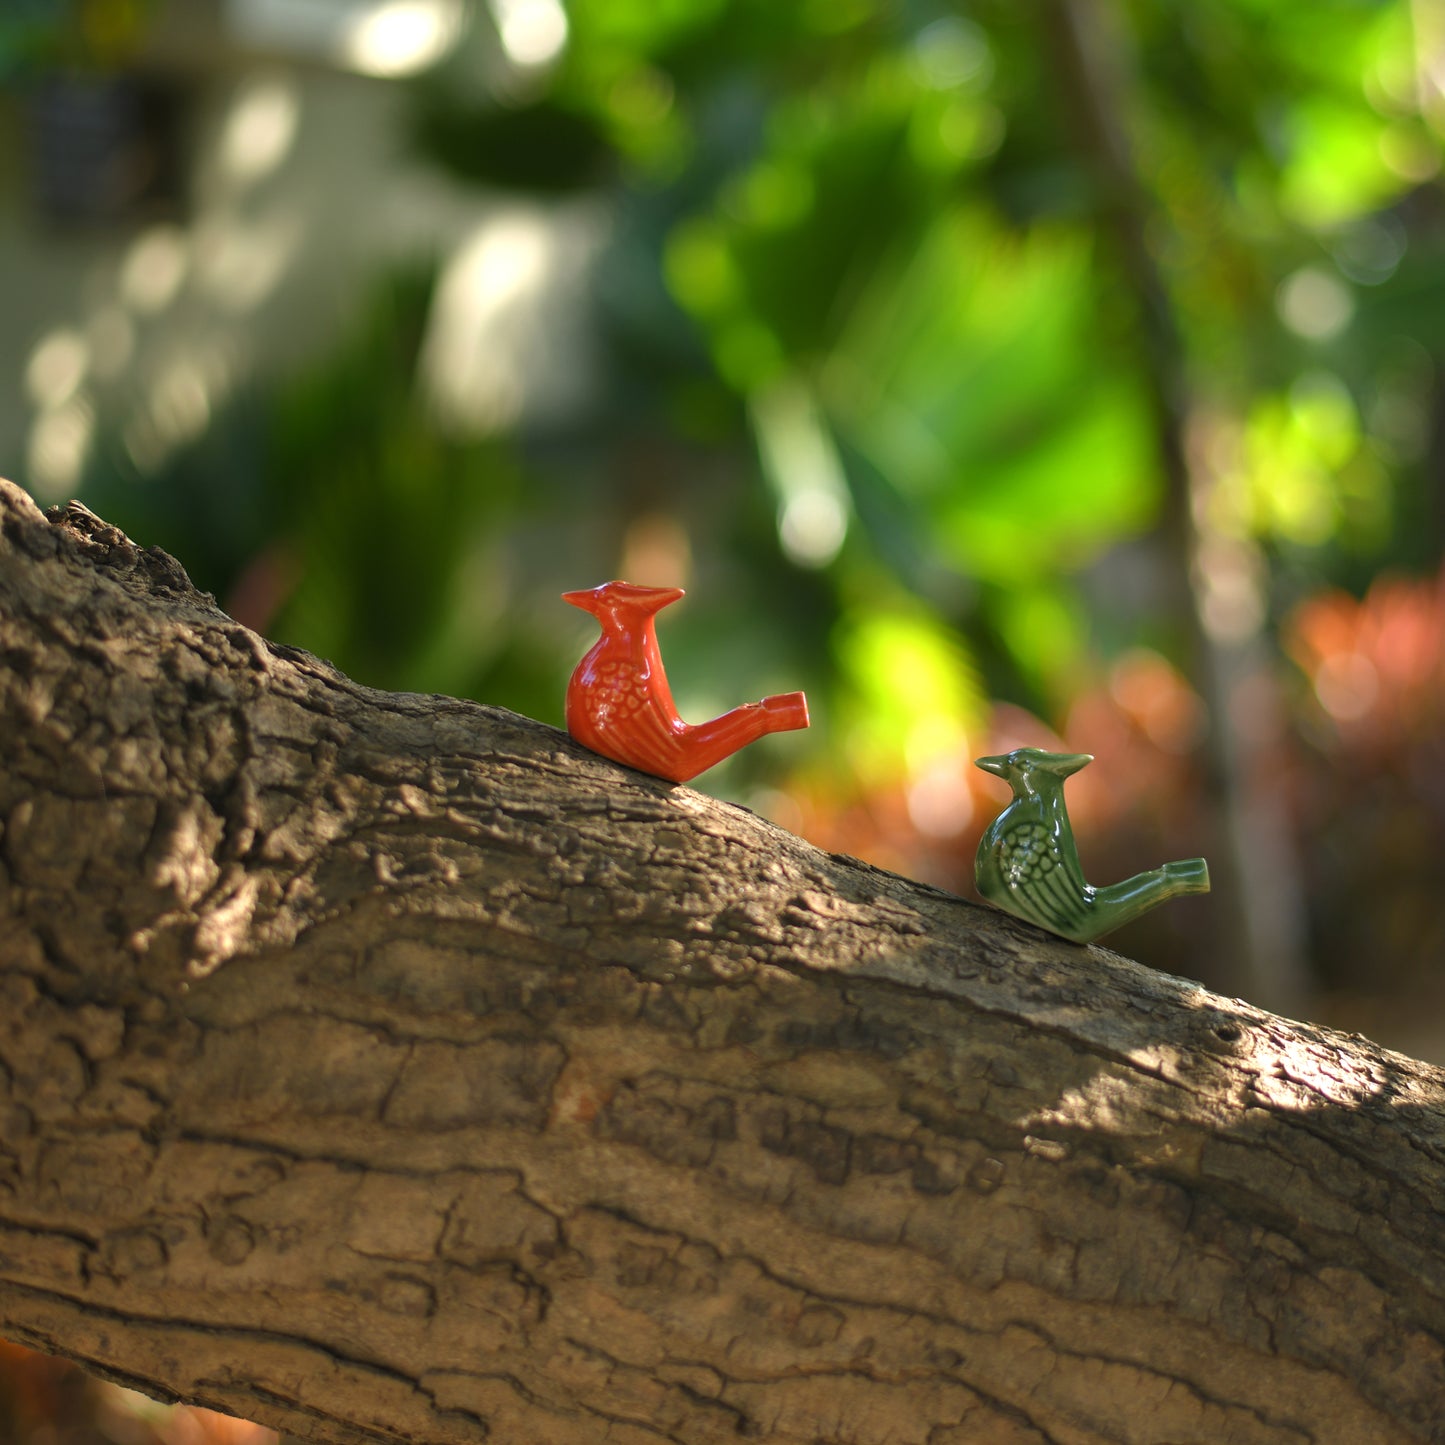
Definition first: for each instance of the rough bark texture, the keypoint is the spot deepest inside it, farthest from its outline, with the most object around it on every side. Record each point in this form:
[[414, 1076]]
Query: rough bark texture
[[387, 1068]]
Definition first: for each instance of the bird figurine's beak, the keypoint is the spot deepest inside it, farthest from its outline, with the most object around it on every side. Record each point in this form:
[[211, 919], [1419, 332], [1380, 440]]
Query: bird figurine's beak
[[657, 598], [997, 766], [644, 600]]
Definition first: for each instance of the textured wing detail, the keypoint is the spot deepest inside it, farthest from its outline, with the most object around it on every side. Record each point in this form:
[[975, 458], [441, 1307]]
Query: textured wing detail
[[613, 708], [1026, 852], [1032, 867]]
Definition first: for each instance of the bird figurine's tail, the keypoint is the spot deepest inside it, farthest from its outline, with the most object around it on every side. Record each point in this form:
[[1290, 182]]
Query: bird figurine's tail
[[1122, 903], [710, 742]]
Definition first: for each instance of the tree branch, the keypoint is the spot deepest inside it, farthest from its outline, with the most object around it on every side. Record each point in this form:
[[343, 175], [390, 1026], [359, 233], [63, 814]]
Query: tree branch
[[387, 1068]]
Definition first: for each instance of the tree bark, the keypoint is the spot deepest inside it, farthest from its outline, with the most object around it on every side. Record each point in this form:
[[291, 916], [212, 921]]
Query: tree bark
[[387, 1068]]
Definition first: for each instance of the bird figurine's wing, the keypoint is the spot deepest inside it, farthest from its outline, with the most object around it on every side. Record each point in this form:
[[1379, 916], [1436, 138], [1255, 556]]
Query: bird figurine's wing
[[617, 711], [1043, 875]]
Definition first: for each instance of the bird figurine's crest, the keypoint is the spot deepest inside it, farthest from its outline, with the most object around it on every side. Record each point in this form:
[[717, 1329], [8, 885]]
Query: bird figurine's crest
[[619, 703], [1028, 863]]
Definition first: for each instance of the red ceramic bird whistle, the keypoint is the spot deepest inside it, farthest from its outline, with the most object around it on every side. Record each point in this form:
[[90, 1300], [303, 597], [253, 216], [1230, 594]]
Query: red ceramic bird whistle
[[619, 703]]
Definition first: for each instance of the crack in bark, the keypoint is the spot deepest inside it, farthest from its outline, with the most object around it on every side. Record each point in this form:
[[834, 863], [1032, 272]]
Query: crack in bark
[[209, 1328]]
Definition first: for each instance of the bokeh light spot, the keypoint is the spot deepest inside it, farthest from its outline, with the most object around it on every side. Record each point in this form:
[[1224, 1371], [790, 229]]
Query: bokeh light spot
[[803, 467], [701, 269], [1158, 700], [940, 798], [1314, 304], [1347, 685], [953, 52], [811, 526], [772, 195], [56, 367], [154, 268], [261, 128], [238, 265], [1232, 601], [402, 37], [180, 401], [1410, 153], [533, 32], [58, 446]]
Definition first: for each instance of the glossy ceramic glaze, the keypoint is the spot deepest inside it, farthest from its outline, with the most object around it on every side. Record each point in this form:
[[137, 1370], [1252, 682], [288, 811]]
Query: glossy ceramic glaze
[[1028, 863], [619, 703]]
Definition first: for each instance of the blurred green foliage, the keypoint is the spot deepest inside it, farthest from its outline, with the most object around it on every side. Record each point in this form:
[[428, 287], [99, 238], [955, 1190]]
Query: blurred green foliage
[[891, 211]]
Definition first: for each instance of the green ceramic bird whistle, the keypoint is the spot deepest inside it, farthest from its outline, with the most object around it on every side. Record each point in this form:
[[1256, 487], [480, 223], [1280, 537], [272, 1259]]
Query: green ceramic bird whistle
[[1028, 863]]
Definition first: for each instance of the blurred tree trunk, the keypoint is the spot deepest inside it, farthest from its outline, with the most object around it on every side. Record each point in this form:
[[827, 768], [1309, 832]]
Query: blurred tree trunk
[[1258, 941], [384, 1067]]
